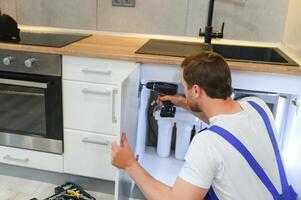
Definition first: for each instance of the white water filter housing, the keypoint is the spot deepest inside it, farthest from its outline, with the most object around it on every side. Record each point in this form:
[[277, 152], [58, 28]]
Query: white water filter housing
[[185, 122], [165, 127], [183, 139]]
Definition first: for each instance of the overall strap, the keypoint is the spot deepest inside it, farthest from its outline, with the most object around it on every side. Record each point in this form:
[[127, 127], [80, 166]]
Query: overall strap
[[212, 194], [248, 156], [264, 116]]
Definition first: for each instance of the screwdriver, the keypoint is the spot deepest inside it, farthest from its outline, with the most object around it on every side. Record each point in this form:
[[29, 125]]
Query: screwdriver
[[78, 195]]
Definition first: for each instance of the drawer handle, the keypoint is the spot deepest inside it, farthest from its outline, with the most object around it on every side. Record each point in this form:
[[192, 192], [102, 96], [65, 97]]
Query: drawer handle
[[114, 117], [97, 71], [88, 91], [8, 157], [87, 140]]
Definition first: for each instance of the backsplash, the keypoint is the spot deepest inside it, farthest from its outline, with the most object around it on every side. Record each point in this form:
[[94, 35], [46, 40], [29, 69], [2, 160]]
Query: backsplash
[[254, 20], [292, 33]]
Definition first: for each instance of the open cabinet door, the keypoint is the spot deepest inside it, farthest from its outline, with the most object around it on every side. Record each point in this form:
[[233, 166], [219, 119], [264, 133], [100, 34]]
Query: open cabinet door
[[129, 102], [292, 145]]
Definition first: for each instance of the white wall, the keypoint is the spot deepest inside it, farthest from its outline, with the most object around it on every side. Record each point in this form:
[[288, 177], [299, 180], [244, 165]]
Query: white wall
[[255, 20], [259, 20], [8, 7], [292, 34]]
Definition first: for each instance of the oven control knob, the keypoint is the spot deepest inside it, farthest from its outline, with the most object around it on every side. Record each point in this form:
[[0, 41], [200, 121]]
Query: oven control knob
[[30, 62], [8, 60]]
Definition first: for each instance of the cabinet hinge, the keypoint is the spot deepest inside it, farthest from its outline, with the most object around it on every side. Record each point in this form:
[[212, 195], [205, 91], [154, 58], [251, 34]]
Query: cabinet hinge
[[296, 104], [140, 87]]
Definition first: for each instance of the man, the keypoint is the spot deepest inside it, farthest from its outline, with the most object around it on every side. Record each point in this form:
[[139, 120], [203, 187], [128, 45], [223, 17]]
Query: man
[[211, 160]]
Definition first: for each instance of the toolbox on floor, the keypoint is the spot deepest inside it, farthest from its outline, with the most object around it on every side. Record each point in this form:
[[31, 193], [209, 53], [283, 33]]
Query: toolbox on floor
[[70, 191]]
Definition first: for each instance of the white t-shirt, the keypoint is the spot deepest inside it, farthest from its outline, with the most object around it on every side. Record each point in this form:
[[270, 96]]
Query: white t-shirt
[[211, 160]]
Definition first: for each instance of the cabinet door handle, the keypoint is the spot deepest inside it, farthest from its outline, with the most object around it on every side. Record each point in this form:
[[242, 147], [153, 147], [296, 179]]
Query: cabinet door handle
[[97, 71], [87, 140], [8, 157], [114, 117], [98, 92]]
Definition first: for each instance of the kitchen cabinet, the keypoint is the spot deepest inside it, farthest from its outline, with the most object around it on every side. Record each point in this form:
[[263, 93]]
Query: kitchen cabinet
[[93, 117], [289, 85], [100, 100], [88, 154], [285, 85], [91, 107], [31, 159]]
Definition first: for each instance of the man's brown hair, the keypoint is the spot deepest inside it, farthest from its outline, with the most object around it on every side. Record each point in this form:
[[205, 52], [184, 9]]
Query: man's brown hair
[[210, 71]]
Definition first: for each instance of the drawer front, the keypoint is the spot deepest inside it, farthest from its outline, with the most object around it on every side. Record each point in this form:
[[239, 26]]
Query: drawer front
[[90, 107], [96, 70], [32, 159], [88, 154]]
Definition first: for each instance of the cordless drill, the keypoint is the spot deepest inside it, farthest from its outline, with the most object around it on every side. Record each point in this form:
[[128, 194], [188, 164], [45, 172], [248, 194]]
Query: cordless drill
[[163, 88]]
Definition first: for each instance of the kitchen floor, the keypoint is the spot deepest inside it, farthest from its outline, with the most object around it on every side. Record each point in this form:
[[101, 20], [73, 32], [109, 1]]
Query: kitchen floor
[[13, 188]]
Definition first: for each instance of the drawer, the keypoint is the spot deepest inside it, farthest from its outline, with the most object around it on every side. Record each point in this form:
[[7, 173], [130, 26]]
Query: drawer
[[96, 70], [32, 159], [91, 107], [88, 154]]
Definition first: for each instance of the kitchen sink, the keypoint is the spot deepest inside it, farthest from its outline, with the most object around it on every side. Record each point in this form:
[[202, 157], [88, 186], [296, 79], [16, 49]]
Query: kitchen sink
[[229, 52], [253, 54]]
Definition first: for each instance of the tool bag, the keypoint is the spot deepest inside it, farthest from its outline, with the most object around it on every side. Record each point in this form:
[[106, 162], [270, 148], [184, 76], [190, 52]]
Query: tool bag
[[288, 192]]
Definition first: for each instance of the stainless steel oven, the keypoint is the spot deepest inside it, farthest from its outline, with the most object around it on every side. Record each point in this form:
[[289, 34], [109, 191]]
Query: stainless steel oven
[[31, 101]]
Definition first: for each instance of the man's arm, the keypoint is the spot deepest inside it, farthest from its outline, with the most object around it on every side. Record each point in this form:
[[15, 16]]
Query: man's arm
[[181, 102], [123, 158]]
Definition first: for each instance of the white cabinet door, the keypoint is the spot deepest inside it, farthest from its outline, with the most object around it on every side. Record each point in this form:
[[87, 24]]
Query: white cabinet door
[[292, 143], [129, 115], [88, 154], [32, 159], [91, 107]]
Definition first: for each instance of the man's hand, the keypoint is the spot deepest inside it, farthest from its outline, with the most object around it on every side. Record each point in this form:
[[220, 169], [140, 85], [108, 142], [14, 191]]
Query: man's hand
[[122, 157], [181, 101], [177, 100]]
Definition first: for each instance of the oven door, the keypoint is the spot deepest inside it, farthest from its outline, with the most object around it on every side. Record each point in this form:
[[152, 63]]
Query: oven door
[[31, 112]]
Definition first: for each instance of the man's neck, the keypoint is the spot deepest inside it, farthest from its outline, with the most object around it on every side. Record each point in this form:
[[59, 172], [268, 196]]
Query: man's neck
[[214, 107]]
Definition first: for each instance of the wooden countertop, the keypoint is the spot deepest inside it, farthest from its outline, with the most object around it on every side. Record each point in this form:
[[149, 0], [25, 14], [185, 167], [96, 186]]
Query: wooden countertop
[[124, 47]]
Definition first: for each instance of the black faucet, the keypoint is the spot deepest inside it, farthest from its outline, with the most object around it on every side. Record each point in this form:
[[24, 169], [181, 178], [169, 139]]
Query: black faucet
[[208, 30]]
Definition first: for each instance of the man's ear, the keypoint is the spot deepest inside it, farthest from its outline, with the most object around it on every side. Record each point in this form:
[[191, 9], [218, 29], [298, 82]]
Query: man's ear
[[197, 90]]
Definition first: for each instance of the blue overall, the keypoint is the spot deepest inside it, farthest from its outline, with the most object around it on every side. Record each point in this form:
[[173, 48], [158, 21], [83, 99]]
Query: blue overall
[[288, 192]]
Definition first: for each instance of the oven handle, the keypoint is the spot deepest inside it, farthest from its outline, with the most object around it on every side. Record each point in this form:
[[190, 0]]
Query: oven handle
[[8, 157], [23, 83]]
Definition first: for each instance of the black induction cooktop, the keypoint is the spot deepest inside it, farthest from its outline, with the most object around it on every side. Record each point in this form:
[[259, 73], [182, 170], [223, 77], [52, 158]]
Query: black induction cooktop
[[45, 39]]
